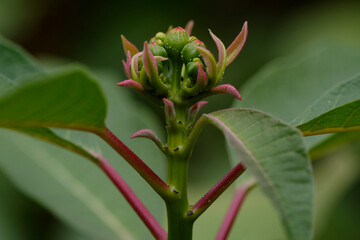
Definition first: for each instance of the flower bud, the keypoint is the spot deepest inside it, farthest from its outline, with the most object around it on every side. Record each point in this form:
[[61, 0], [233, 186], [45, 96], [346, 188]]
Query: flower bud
[[192, 38], [189, 52], [192, 69], [160, 67], [157, 50], [174, 42], [159, 42], [161, 36]]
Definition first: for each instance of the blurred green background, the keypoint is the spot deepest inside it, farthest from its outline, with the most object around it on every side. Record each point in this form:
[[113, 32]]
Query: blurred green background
[[62, 31]]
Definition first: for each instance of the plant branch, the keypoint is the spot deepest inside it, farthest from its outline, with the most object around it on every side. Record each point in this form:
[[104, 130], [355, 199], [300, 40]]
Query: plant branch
[[205, 202], [234, 208], [155, 228], [144, 170]]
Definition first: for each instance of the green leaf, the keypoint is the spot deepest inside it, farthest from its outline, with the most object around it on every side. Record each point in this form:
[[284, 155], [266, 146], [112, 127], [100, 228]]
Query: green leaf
[[275, 154], [337, 96], [5, 84], [331, 143], [67, 98], [71, 188], [332, 112], [49, 136], [77, 192], [341, 119], [15, 64], [15, 68], [287, 87]]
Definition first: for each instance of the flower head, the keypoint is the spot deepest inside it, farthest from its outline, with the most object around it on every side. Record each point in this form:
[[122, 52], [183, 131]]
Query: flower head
[[179, 67]]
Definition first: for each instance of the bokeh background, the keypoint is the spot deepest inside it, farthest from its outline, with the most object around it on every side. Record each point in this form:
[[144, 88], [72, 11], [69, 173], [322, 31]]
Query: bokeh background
[[62, 31]]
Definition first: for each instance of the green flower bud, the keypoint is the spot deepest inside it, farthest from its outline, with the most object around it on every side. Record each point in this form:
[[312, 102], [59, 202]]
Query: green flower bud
[[159, 42], [160, 67], [174, 42], [157, 50], [197, 60], [189, 52], [192, 69], [192, 38], [161, 36]]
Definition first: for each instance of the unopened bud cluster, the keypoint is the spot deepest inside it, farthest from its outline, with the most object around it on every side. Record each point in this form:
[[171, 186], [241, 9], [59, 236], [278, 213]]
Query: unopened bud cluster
[[178, 66]]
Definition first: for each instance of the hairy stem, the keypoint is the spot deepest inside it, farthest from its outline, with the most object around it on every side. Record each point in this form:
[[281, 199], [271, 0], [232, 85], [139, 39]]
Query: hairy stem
[[208, 199], [233, 211], [155, 228], [145, 171]]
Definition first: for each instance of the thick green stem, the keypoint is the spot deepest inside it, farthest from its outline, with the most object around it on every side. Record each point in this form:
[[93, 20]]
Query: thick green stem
[[179, 224]]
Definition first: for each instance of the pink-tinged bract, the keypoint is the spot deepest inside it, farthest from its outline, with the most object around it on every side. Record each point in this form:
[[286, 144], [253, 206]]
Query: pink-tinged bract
[[147, 133], [160, 58], [128, 46], [149, 62], [195, 109], [131, 84], [209, 60], [201, 76], [189, 26], [127, 64], [200, 83], [151, 70], [169, 108], [221, 58], [227, 89], [235, 47], [135, 66]]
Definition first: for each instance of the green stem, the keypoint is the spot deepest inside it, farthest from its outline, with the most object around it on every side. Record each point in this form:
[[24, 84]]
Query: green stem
[[179, 224]]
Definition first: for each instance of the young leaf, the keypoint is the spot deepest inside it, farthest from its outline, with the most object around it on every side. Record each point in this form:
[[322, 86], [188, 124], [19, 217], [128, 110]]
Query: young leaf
[[275, 155]]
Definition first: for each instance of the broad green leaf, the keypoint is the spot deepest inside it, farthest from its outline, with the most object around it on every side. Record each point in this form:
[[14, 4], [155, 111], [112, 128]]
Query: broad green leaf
[[68, 98], [275, 155], [287, 87], [12, 208], [71, 188], [335, 111], [15, 68], [5, 84], [15, 64], [341, 119], [335, 141], [49, 136], [337, 96], [76, 191]]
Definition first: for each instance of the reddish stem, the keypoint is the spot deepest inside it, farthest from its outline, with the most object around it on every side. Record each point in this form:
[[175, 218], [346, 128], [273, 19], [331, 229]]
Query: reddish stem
[[234, 208], [144, 170], [155, 228], [216, 191]]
